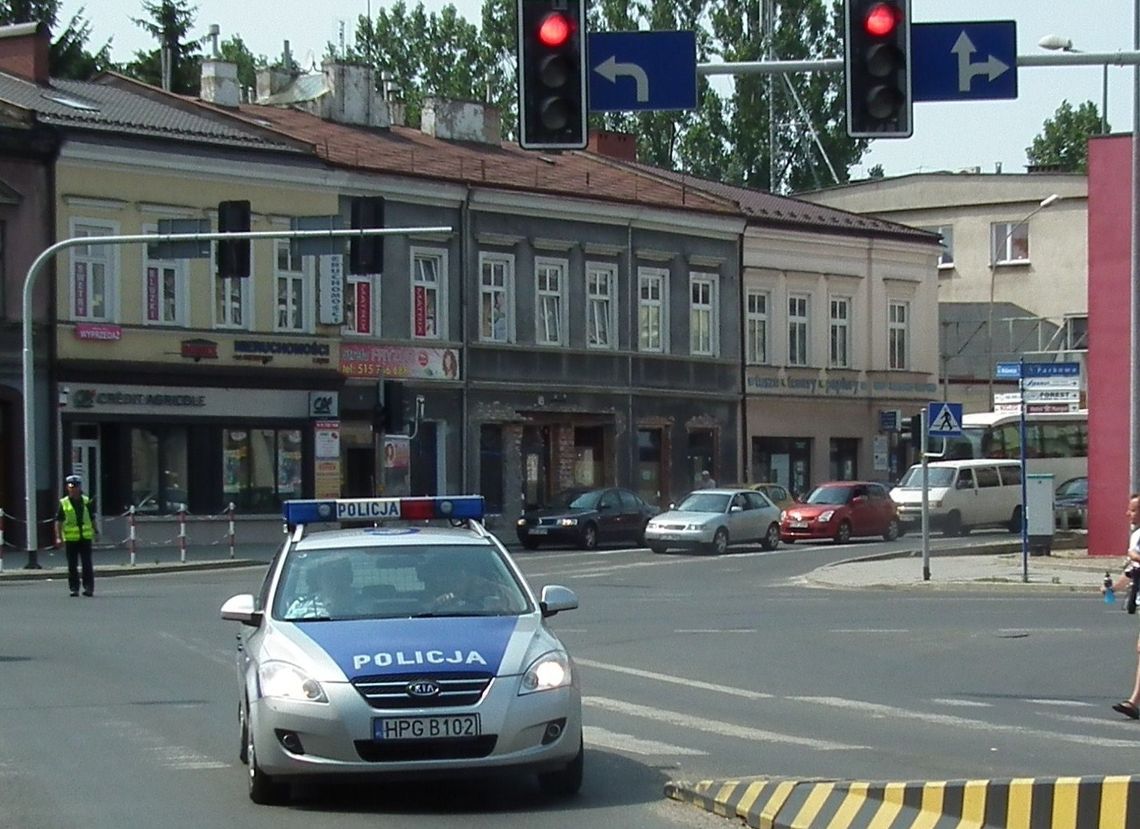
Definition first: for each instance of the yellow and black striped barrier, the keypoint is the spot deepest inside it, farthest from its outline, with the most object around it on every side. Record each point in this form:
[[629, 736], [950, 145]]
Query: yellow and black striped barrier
[[1018, 803]]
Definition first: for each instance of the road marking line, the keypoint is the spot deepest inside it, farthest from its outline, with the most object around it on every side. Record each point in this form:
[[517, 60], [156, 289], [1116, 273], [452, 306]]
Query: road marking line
[[596, 737], [878, 711], [715, 630], [1073, 718], [717, 727], [870, 630], [962, 703], [674, 680], [1075, 703]]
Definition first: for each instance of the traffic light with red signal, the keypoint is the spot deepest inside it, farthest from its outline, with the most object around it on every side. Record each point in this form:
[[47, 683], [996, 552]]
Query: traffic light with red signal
[[877, 66], [553, 91]]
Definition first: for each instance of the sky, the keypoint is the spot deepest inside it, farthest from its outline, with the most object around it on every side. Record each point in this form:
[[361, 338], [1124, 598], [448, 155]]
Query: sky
[[947, 136]]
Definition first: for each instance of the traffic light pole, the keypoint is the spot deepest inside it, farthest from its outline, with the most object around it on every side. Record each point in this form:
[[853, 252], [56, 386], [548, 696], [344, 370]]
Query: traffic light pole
[[28, 376]]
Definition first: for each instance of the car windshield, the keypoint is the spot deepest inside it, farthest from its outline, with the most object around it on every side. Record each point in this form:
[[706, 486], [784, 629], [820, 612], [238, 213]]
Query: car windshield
[[576, 499], [936, 476], [704, 502], [1074, 488], [397, 582], [830, 495]]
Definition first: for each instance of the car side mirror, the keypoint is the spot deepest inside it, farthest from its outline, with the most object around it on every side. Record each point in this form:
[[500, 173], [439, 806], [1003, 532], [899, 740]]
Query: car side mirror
[[241, 608], [859, 499], [556, 598], [736, 508]]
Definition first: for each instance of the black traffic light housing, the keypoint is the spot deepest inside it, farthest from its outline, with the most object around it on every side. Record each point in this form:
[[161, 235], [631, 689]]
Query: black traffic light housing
[[553, 89], [233, 254], [391, 418], [916, 433], [366, 253], [877, 66]]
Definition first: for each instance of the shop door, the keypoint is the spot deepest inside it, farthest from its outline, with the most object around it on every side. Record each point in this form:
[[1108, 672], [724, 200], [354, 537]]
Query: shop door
[[425, 457], [359, 472], [85, 462]]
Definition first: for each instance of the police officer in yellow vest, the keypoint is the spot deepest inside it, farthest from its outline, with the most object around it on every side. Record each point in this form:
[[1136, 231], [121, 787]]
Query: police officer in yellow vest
[[75, 527]]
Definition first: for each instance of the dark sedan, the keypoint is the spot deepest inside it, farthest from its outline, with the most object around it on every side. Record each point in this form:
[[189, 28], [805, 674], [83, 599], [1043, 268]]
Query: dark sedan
[[586, 517]]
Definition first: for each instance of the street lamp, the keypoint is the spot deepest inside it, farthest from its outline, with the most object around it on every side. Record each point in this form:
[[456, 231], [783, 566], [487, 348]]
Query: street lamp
[[1064, 44], [1045, 202]]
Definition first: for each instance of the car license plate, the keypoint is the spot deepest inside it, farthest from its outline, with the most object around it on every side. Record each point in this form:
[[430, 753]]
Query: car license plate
[[426, 728], [798, 525], [538, 530]]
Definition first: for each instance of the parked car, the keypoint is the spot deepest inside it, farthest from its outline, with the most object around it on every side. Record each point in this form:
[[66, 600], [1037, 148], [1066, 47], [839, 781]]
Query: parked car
[[842, 510], [714, 519], [962, 495], [585, 518], [778, 494], [1071, 503]]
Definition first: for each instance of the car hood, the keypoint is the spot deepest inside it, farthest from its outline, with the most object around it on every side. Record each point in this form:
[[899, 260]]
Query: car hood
[[802, 511], [684, 517], [563, 512], [334, 651], [914, 496]]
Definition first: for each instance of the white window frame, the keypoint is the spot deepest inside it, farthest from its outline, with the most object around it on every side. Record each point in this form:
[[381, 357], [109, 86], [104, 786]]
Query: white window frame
[[550, 300], [839, 325], [704, 316], [353, 284], [799, 329], [1004, 237], [157, 292], [497, 279], [601, 306], [434, 328], [653, 312], [81, 272], [898, 353], [231, 287], [297, 280], [757, 326]]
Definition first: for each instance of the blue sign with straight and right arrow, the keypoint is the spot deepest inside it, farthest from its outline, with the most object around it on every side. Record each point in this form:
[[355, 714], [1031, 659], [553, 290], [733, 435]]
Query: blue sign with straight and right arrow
[[970, 61], [631, 71]]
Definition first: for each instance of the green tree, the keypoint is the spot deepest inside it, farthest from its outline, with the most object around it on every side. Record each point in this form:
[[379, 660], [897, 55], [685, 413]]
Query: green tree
[[170, 23], [68, 56], [235, 51], [1064, 138]]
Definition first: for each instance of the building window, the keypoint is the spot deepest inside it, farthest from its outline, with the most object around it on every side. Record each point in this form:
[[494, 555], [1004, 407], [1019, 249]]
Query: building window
[[652, 286], [159, 465], [756, 322], [550, 304], [290, 281], [703, 325], [898, 322], [232, 298], [428, 305], [261, 467], [94, 273], [496, 289], [1076, 333], [601, 307], [798, 310], [359, 306], [1009, 242], [840, 343], [946, 244], [164, 288]]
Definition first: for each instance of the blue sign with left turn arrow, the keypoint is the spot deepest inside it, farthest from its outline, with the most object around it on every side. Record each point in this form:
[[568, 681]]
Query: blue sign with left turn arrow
[[969, 61], [642, 71]]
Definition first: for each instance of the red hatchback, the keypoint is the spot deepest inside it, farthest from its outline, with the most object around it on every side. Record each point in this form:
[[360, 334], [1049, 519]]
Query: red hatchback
[[841, 510]]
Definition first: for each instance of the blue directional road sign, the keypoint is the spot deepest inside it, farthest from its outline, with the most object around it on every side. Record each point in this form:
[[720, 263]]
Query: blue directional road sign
[[1007, 371], [964, 61], [1012, 371], [944, 420], [642, 71]]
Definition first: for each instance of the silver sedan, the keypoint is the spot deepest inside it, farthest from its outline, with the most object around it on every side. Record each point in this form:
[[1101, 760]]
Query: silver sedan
[[714, 519]]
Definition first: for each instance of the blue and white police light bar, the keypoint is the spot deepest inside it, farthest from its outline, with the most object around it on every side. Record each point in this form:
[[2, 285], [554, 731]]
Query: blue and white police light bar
[[375, 509]]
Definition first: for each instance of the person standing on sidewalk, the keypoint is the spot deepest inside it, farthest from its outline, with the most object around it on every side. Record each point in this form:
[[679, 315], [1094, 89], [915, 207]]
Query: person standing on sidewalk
[[75, 528], [1130, 707]]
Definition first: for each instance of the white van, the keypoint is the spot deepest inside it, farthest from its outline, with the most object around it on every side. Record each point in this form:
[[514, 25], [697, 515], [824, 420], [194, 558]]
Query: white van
[[963, 495]]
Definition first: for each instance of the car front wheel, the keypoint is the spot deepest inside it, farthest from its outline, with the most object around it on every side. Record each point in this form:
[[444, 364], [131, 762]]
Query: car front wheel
[[843, 534], [264, 790], [590, 536], [719, 544], [892, 531], [771, 538], [567, 781]]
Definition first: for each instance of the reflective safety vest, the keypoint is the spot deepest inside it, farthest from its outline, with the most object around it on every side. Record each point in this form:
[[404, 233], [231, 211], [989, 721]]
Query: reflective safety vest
[[76, 528]]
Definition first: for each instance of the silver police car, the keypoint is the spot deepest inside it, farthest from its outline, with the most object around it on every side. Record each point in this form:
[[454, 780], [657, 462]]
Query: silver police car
[[412, 650]]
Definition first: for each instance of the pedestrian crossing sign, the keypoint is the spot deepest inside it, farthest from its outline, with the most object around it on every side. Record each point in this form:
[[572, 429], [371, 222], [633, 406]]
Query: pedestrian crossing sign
[[944, 420]]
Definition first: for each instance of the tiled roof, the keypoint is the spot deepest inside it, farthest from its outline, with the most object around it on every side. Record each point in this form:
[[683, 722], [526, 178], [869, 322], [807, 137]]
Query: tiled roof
[[409, 152], [112, 106], [783, 210]]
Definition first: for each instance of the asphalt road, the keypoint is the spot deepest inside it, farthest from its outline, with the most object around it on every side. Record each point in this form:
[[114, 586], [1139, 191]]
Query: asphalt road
[[119, 711]]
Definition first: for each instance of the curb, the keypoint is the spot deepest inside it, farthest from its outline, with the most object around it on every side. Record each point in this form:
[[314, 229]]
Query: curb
[[1057, 802]]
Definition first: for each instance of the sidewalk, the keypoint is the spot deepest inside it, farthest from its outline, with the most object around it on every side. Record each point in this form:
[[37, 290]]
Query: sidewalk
[[115, 561]]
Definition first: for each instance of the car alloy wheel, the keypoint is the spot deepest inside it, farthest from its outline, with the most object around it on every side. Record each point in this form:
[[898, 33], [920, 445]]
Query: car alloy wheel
[[843, 533], [590, 536], [771, 538]]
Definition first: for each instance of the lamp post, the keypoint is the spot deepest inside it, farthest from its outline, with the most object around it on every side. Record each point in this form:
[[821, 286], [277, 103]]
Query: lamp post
[[992, 367], [1064, 44]]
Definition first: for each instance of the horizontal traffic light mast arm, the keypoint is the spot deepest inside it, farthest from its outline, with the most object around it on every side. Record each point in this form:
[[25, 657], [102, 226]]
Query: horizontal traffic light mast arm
[[775, 67]]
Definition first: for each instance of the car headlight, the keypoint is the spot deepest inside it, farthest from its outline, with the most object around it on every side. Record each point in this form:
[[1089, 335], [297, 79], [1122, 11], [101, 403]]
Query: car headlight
[[783, 515], [521, 522], [551, 670], [695, 528], [280, 679], [936, 504], [568, 522], [826, 516]]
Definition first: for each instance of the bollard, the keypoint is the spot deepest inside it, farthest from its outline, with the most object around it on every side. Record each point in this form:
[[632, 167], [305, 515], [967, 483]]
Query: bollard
[[33, 552], [230, 511], [132, 538], [182, 535]]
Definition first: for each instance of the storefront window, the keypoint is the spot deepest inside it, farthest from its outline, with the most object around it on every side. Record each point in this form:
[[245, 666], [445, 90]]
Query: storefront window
[[158, 470], [261, 467]]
